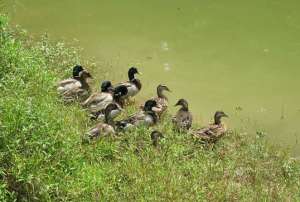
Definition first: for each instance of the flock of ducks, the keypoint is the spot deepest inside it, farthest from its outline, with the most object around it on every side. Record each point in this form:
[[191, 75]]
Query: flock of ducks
[[107, 104]]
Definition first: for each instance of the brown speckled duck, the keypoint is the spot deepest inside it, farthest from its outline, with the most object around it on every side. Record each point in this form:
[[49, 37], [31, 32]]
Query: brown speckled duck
[[161, 99], [107, 128], [183, 119], [76, 87], [214, 131]]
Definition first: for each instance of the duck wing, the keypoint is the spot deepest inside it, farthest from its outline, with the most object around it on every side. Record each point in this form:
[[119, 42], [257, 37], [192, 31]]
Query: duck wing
[[98, 101], [75, 93], [136, 118], [99, 130], [66, 82], [68, 85], [131, 121], [211, 132], [131, 87]]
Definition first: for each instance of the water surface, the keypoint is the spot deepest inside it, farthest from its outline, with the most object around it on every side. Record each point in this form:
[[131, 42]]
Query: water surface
[[238, 56]]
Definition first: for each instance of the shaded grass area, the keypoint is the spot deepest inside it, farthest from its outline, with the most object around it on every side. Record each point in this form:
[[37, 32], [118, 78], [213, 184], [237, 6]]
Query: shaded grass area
[[42, 157]]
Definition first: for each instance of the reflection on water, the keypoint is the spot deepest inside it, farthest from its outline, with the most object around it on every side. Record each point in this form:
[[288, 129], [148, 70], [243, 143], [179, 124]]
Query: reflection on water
[[242, 57]]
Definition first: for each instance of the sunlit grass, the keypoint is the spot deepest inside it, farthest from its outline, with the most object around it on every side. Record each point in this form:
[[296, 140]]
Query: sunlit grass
[[42, 157]]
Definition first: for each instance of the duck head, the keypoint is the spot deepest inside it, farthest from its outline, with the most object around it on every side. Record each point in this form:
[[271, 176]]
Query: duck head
[[106, 86], [76, 70], [155, 137], [112, 111], [119, 92], [160, 89], [84, 75], [218, 116], [131, 72], [150, 105], [183, 103]]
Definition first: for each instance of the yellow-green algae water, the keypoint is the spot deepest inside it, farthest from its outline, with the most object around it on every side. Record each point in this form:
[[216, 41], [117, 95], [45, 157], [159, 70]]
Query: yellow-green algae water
[[239, 56]]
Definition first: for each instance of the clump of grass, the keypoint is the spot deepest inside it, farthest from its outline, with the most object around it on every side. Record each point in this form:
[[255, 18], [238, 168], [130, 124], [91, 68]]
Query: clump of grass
[[42, 157]]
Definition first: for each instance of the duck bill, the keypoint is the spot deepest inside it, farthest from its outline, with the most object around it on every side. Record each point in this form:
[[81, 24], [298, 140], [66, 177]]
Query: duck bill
[[167, 89], [156, 109], [111, 89]]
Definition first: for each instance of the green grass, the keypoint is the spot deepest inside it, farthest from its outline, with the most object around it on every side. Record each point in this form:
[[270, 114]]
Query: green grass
[[42, 157]]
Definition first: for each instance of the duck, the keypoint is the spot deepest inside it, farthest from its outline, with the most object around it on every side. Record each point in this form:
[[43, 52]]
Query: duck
[[183, 118], [133, 85], [98, 101], [118, 99], [112, 110], [119, 95], [161, 99], [76, 87], [76, 70], [155, 137], [214, 131], [65, 84], [146, 117]]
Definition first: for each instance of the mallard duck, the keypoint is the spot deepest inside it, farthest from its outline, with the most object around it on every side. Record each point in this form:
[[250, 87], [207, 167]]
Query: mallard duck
[[147, 117], [133, 85], [183, 119], [214, 131], [76, 70], [75, 88], [119, 95], [99, 100], [65, 85], [161, 99], [117, 98], [155, 137], [101, 129]]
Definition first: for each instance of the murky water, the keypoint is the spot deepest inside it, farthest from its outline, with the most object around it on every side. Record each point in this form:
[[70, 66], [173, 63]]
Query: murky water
[[239, 56]]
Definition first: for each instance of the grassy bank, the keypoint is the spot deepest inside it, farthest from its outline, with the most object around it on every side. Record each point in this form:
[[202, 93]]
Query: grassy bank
[[42, 157]]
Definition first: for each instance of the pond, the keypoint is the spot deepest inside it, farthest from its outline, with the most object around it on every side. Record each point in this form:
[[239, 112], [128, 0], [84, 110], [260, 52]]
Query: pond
[[239, 56]]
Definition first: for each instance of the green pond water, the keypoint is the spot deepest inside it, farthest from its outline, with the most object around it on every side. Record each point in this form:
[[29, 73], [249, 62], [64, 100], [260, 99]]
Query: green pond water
[[239, 56]]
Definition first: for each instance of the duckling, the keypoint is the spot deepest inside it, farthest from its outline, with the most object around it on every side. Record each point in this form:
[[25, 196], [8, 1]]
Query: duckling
[[214, 131], [161, 99], [155, 137], [183, 119], [76, 87], [101, 129], [147, 117], [99, 100], [133, 85]]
